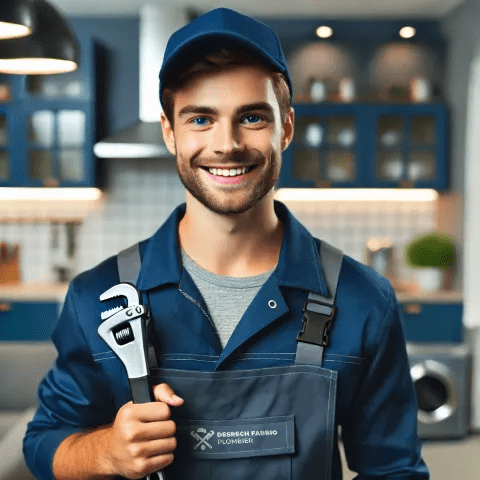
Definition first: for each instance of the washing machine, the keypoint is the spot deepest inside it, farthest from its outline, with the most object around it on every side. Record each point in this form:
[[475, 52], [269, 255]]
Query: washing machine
[[442, 378]]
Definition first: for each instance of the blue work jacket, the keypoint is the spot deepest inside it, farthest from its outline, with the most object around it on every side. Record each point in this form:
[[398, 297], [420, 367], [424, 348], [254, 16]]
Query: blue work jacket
[[376, 404]]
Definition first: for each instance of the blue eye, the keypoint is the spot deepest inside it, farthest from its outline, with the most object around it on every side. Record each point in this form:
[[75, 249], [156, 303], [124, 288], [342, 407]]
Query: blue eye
[[200, 121], [251, 118]]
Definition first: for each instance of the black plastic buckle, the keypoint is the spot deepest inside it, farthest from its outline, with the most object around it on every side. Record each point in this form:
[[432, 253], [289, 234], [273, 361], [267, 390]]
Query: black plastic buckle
[[316, 327]]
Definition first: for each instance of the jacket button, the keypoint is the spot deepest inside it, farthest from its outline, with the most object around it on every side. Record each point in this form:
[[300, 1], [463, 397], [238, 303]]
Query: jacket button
[[272, 304]]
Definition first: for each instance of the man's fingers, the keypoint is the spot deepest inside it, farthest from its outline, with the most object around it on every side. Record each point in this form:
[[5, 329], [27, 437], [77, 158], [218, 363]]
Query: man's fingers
[[155, 431], [164, 393], [144, 412]]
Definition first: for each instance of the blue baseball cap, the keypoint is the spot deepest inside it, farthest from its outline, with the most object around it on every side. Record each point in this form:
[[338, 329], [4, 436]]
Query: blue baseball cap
[[219, 28]]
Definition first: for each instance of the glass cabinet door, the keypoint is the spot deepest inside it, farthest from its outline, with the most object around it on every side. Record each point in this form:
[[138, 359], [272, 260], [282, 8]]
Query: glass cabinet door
[[41, 136], [71, 141], [410, 148], [421, 161], [324, 149], [341, 157], [390, 161], [56, 145]]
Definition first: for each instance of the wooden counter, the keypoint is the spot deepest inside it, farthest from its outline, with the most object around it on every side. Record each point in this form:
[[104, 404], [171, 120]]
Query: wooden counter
[[441, 296], [33, 292]]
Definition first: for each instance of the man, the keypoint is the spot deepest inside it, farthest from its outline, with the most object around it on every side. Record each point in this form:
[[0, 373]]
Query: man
[[231, 279]]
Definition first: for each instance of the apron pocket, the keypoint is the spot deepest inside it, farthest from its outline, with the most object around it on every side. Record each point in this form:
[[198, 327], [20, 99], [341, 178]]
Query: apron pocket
[[220, 449]]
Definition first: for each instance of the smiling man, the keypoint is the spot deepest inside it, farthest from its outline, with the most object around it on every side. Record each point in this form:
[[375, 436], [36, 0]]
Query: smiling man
[[265, 339]]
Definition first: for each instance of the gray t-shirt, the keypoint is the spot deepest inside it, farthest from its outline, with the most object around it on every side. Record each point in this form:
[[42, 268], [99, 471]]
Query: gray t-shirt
[[226, 298]]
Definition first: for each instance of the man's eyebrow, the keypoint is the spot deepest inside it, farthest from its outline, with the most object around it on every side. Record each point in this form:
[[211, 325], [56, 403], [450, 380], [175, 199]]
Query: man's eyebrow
[[205, 110], [197, 109], [262, 106]]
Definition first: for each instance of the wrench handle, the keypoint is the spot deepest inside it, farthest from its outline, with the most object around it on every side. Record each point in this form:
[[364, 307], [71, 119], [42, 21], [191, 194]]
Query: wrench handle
[[141, 389], [142, 393]]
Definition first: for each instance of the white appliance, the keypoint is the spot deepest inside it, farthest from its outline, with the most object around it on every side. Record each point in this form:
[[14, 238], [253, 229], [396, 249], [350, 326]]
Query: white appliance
[[442, 378]]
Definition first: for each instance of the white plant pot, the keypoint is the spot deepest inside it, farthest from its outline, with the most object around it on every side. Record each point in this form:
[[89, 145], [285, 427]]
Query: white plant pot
[[430, 278]]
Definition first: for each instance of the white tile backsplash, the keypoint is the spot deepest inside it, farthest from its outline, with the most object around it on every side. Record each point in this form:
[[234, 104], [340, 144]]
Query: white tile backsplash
[[140, 195]]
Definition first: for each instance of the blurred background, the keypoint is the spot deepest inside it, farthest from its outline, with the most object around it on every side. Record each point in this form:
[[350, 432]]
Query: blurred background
[[384, 164]]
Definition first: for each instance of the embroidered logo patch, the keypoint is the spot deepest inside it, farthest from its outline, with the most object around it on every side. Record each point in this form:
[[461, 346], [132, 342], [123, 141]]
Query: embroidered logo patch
[[231, 439]]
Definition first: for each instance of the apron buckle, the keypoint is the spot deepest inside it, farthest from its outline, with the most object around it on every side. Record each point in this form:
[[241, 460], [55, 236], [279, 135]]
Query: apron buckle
[[316, 326]]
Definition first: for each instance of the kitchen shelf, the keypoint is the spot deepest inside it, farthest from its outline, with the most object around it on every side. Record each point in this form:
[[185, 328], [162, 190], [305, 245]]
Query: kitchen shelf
[[440, 296], [33, 292]]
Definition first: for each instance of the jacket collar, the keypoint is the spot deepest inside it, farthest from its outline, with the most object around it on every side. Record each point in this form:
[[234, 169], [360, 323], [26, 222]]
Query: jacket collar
[[299, 265]]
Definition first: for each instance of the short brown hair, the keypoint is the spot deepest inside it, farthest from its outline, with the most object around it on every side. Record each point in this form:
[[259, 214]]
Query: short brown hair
[[214, 62]]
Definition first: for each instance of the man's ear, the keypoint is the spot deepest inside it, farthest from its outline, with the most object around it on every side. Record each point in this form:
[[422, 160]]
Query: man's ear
[[287, 129], [168, 135]]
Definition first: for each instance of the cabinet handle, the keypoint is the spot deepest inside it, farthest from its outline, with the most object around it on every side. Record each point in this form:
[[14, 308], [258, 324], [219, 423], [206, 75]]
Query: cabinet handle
[[413, 308], [5, 307]]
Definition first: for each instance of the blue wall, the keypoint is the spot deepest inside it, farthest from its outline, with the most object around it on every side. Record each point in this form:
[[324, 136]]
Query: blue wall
[[120, 36]]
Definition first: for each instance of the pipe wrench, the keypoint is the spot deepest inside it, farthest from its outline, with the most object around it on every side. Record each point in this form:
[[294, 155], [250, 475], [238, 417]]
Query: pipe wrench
[[124, 330]]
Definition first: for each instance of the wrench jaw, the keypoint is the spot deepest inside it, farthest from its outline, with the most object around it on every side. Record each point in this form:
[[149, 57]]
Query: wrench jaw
[[123, 329], [124, 289]]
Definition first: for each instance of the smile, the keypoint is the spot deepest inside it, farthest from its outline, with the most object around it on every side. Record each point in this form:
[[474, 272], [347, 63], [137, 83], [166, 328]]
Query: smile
[[229, 172]]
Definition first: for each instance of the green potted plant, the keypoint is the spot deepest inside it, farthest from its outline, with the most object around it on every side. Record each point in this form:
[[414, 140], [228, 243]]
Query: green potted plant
[[430, 254]]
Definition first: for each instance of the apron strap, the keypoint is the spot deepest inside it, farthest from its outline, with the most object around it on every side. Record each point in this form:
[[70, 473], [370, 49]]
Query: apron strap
[[129, 263], [319, 311]]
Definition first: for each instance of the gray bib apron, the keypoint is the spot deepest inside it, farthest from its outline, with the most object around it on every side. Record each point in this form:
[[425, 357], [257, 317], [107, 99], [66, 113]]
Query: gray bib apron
[[274, 423]]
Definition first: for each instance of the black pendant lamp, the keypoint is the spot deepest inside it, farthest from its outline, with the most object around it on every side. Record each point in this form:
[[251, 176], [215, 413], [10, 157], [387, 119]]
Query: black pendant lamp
[[16, 18], [51, 48]]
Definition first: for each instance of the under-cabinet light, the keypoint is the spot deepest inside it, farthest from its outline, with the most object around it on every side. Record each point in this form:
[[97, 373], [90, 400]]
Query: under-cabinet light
[[58, 194], [324, 31], [357, 194], [407, 32]]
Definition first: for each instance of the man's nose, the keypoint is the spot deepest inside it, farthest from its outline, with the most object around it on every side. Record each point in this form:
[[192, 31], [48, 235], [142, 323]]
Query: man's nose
[[226, 138]]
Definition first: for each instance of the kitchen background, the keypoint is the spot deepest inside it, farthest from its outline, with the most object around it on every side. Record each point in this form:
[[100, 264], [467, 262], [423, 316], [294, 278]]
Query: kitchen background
[[142, 194], [60, 239]]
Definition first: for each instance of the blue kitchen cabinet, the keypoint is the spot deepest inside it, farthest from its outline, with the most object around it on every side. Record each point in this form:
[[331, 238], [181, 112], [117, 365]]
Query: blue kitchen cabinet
[[367, 145], [326, 147], [432, 322], [406, 146], [27, 321], [58, 143], [52, 123]]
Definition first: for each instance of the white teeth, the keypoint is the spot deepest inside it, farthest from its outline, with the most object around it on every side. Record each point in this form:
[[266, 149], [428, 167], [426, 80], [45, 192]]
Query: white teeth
[[224, 172]]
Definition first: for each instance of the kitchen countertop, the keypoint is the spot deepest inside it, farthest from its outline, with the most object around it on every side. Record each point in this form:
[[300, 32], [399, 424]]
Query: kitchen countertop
[[441, 296], [39, 292]]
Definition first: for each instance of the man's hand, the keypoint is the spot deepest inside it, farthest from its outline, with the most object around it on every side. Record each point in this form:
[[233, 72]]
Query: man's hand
[[140, 441], [142, 435]]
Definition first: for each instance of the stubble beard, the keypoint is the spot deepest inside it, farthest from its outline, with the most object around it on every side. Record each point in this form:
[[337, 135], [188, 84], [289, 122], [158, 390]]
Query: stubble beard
[[239, 202]]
